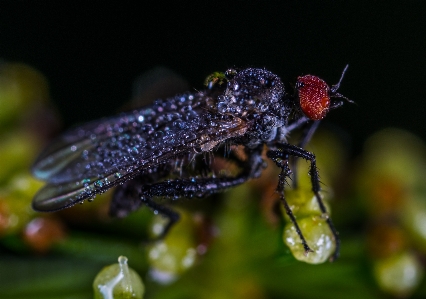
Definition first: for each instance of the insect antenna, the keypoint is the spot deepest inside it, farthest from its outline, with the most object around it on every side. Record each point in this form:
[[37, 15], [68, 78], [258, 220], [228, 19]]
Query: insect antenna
[[335, 87]]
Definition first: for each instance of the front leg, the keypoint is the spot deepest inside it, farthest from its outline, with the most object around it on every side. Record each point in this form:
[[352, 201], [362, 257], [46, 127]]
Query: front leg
[[280, 157], [305, 138], [282, 162]]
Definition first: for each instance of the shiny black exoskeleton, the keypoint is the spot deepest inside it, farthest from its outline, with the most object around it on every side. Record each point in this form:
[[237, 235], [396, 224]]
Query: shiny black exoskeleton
[[147, 152]]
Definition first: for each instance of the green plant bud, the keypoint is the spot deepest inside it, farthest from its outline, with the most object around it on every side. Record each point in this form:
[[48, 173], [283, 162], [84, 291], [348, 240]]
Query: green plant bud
[[20, 87], [318, 236], [24, 186], [15, 203], [118, 281], [175, 253], [17, 152], [399, 274], [395, 153], [303, 203], [413, 218], [393, 169]]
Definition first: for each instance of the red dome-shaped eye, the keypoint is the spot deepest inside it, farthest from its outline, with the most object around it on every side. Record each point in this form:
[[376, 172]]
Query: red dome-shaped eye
[[314, 96]]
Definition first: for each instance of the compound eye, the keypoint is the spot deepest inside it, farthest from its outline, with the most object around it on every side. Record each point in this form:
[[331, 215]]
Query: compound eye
[[314, 96]]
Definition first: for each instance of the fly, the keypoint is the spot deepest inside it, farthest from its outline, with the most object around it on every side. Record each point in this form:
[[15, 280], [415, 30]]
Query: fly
[[138, 151]]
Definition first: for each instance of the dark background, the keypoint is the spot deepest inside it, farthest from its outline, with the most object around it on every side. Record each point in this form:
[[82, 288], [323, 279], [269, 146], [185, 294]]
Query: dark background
[[92, 51]]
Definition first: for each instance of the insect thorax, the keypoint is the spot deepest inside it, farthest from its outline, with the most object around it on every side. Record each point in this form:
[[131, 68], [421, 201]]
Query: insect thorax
[[258, 97]]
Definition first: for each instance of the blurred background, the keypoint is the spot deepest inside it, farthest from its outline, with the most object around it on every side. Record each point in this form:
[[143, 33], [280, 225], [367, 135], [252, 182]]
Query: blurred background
[[79, 61], [92, 53]]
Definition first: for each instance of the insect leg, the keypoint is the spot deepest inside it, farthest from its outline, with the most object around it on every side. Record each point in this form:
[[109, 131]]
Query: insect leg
[[124, 200], [284, 151], [127, 198], [171, 215], [306, 137], [197, 187], [281, 160], [183, 188]]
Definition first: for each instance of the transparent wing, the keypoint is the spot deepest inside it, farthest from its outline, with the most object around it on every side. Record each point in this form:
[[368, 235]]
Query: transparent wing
[[99, 155]]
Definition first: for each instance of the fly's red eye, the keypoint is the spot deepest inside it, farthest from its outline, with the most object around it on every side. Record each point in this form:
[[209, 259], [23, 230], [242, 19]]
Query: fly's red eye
[[314, 96]]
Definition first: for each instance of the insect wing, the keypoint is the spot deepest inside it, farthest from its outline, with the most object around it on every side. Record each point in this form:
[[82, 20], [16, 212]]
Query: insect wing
[[70, 146], [93, 158]]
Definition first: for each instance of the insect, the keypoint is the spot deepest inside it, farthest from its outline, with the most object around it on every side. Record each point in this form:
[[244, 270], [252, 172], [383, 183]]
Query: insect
[[148, 152]]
